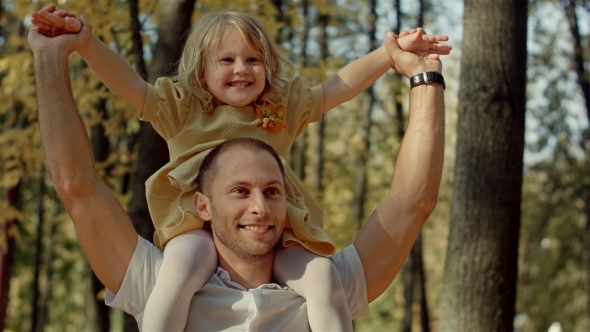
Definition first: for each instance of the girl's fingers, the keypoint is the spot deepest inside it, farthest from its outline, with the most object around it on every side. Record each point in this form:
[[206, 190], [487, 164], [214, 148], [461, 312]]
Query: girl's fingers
[[52, 18], [41, 26]]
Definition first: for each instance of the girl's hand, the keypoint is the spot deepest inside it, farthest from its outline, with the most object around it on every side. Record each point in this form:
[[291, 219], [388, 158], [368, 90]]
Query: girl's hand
[[423, 45], [408, 63], [52, 23]]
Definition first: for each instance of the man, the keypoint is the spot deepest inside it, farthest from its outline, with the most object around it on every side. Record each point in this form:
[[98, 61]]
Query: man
[[241, 295]]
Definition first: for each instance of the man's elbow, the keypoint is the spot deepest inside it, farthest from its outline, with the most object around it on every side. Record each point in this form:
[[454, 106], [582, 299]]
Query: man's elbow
[[426, 206], [71, 186]]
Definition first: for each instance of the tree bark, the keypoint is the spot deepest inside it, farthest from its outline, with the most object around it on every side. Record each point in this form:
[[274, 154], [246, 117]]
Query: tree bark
[[37, 317], [584, 83], [479, 284], [14, 198], [360, 189], [175, 19], [319, 128], [100, 152], [297, 154]]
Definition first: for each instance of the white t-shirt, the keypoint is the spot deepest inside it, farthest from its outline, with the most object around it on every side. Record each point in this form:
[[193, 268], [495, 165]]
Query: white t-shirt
[[223, 305]]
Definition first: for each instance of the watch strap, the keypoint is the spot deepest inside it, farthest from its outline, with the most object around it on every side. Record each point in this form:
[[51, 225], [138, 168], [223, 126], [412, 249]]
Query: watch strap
[[427, 78]]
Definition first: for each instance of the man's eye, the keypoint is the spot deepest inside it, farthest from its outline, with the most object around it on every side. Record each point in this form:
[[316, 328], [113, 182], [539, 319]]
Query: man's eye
[[240, 191]]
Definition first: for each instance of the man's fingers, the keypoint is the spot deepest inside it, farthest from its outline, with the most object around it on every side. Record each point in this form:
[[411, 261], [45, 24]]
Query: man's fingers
[[72, 25], [86, 26], [442, 49]]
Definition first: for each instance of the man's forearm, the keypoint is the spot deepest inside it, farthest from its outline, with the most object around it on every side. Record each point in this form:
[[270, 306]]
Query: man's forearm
[[104, 229], [63, 134], [388, 235]]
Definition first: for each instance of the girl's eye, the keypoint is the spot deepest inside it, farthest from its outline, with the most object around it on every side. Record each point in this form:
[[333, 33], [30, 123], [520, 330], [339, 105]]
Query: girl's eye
[[272, 191], [253, 59], [226, 60]]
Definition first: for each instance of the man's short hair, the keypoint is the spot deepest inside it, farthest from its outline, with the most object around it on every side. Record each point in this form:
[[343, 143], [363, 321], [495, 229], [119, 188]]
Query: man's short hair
[[209, 166]]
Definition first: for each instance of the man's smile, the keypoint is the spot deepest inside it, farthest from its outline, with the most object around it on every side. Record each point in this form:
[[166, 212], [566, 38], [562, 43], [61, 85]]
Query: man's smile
[[256, 228]]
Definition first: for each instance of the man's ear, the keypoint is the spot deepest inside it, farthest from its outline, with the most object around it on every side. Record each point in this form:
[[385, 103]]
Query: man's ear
[[202, 205]]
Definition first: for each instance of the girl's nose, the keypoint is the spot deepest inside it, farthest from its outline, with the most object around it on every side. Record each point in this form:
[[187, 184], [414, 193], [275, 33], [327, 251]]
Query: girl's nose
[[240, 67]]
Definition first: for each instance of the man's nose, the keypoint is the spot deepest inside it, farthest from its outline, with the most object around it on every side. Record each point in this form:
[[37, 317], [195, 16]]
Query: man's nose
[[258, 204]]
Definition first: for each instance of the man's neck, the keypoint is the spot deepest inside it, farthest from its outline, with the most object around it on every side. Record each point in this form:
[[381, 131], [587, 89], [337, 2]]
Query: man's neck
[[247, 273]]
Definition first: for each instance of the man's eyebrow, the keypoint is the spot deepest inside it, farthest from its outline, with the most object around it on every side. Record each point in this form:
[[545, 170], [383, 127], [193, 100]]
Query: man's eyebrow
[[276, 181]]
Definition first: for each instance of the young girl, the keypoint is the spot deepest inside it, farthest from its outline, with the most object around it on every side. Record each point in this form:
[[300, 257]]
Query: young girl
[[229, 85]]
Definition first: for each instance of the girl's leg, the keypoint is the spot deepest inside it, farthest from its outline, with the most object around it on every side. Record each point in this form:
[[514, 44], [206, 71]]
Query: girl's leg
[[317, 280], [189, 261]]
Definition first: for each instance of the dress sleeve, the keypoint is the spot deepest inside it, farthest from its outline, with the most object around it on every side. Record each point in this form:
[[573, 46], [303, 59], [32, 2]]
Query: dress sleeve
[[167, 106], [352, 275], [305, 105], [138, 282]]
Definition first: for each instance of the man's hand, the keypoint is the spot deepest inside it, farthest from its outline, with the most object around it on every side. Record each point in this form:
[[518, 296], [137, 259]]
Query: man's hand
[[410, 64], [67, 43]]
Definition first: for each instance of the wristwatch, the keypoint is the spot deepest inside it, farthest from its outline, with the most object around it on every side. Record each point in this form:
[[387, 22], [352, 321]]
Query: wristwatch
[[427, 78]]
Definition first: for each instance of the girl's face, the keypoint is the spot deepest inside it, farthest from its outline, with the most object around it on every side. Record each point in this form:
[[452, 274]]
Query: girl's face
[[235, 75]]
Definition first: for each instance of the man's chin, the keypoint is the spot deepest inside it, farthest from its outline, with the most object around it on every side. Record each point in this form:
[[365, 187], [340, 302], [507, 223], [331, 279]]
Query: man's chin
[[257, 253]]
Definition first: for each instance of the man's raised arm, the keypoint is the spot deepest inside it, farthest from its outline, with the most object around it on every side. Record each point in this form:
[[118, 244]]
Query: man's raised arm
[[105, 231], [387, 237]]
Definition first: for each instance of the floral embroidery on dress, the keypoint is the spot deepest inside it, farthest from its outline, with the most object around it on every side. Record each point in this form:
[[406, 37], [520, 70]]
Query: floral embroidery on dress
[[271, 117]]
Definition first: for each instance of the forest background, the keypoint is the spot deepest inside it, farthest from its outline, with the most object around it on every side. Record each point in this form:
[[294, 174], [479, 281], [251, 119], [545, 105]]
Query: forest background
[[346, 160]]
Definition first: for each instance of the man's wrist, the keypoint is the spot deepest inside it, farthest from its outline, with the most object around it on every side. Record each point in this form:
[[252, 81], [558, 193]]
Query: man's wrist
[[427, 78]]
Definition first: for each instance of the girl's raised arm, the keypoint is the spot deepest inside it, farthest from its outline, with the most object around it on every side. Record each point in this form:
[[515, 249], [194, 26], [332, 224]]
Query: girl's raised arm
[[112, 69]]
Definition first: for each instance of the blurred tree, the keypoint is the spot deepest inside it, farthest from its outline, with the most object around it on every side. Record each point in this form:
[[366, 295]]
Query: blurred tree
[[175, 19], [479, 285], [360, 187], [555, 240]]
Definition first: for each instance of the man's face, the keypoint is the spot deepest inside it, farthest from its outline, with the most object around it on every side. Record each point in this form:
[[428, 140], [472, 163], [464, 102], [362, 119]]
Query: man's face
[[248, 204]]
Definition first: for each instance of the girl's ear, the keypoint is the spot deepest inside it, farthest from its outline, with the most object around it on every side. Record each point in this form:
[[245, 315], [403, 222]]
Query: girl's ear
[[201, 202]]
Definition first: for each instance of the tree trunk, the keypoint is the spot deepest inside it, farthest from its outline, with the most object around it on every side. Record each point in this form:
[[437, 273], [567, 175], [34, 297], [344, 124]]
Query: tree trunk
[[584, 83], [360, 189], [297, 154], [14, 198], [175, 19], [419, 278], [37, 317], [319, 128], [100, 152], [479, 284]]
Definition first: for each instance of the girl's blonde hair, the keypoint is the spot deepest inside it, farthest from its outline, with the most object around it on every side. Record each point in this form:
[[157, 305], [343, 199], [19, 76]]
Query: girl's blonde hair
[[204, 40]]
